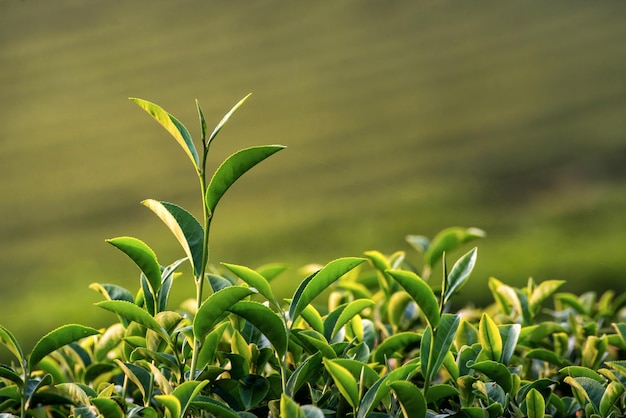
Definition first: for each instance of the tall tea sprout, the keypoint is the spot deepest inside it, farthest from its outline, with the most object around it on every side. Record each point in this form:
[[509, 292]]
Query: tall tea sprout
[[192, 235]]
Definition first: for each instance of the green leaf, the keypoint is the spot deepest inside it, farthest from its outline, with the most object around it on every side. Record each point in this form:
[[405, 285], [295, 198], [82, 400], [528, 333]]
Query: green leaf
[[9, 374], [225, 119], [612, 394], [107, 407], [255, 280], [186, 392], [466, 335], [133, 313], [185, 228], [547, 356], [317, 341], [497, 372], [396, 308], [510, 335], [433, 354], [215, 307], [10, 342], [579, 371], [351, 310], [316, 283], [143, 256], [542, 292], [381, 388], [587, 389], [58, 338], [233, 168], [490, 338], [594, 351], [421, 293], [289, 408], [344, 381], [139, 376], [396, 342], [214, 407], [459, 274], [303, 373], [173, 126], [266, 321], [411, 399], [171, 404], [448, 240]]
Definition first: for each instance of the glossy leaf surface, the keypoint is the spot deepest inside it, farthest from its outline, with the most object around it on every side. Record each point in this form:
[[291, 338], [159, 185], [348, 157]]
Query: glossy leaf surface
[[421, 293], [143, 256], [58, 338]]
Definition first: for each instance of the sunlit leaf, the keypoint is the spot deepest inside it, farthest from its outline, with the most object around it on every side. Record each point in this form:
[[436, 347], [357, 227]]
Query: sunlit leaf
[[186, 392], [233, 168], [351, 310], [225, 119], [411, 399], [399, 342], [289, 408], [173, 126], [542, 292], [58, 338], [304, 372], [316, 283], [345, 382], [216, 307], [171, 403], [143, 256], [108, 407], [587, 389], [497, 372], [185, 228], [255, 280], [448, 240], [421, 293], [490, 338], [214, 407], [459, 274], [133, 313], [435, 346], [612, 395], [380, 388], [10, 342], [266, 321]]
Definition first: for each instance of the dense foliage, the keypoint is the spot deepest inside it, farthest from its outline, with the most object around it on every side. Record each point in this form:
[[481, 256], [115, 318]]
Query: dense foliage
[[385, 344]]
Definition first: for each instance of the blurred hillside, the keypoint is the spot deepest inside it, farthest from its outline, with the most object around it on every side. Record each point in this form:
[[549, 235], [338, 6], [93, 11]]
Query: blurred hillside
[[399, 119]]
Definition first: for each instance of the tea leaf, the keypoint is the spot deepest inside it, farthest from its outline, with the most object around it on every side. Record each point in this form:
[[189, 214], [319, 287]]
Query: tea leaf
[[173, 126], [214, 407], [9, 374], [303, 373], [255, 280], [266, 321], [490, 338], [58, 338], [143, 256], [402, 341], [233, 168], [542, 292], [411, 399], [381, 388], [10, 342], [535, 404], [587, 389], [397, 306], [107, 407], [421, 293], [434, 353], [352, 309], [448, 240], [134, 313], [215, 307], [186, 392], [459, 274], [171, 403], [497, 372], [510, 335], [289, 408], [612, 394], [225, 119], [344, 380], [316, 283], [185, 228]]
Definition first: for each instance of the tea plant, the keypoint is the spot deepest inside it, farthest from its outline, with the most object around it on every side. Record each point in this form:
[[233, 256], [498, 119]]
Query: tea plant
[[386, 344]]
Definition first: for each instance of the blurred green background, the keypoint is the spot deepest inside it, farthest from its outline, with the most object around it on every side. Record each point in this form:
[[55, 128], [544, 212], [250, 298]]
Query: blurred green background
[[399, 119]]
